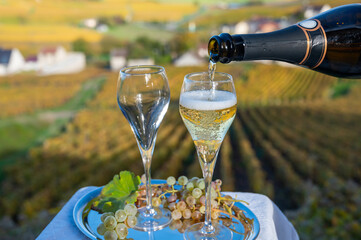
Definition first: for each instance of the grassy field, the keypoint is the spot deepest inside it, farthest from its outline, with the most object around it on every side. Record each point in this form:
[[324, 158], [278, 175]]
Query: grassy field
[[218, 17], [57, 21], [67, 11], [44, 33], [131, 32], [33, 129]]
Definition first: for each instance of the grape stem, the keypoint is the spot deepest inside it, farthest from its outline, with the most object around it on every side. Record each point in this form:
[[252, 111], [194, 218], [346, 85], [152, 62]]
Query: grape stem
[[173, 191]]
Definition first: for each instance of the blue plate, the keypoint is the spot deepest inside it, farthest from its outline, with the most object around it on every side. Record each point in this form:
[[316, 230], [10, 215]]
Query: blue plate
[[89, 224]]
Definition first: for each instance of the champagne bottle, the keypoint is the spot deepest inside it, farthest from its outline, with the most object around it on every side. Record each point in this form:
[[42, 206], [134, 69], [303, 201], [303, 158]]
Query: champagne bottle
[[329, 43]]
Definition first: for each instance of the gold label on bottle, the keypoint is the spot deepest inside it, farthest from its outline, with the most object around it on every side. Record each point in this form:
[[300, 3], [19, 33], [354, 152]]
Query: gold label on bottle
[[316, 43]]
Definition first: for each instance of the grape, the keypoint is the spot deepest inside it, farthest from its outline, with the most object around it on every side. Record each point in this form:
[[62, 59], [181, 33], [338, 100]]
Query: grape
[[185, 194], [187, 223], [213, 193], [120, 215], [101, 229], [172, 206], [194, 180], [156, 202], [196, 215], [219, 184], [201, 184], [202, 200], [214, 203], [227, 222], [105, 215], [202, 209], [159, 191], [172, 198], [190, 186], [164, 202], [191, 201], [182, 229], [186, 213], [171, 181], [110, 222], [131, 221], [143, 179], [110, 235], [197, 193], [122, 230], [177, 224], [142, 192], [181, 205], [182, 180], [228, 202], [130, 209], [215, 215], [176, 214]]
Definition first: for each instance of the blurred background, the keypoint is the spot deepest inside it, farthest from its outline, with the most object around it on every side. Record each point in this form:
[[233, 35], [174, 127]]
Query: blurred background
[[296, 137]]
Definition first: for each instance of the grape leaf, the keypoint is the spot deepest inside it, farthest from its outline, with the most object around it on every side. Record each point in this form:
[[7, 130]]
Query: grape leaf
[[118, 192]]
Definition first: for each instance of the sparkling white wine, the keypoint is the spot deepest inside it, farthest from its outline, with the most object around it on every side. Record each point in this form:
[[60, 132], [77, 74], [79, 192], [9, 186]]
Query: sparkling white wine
[[207, 115], [211, 69]]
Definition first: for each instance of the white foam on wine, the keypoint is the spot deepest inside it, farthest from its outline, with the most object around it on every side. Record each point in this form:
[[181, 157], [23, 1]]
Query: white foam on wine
[[208, 99]]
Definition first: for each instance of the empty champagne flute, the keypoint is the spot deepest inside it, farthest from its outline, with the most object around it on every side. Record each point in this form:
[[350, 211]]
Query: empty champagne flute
[[208, 108], [143, 96]]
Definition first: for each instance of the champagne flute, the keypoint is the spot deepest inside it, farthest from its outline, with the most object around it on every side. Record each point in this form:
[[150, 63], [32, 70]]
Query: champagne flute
[[208, 108], [143, 96]]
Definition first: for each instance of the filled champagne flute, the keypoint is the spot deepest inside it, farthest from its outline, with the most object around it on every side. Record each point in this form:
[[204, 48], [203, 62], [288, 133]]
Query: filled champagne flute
[[208, 108], [143, 95]]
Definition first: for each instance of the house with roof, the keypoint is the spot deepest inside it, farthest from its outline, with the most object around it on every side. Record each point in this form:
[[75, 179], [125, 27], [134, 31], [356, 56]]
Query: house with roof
[[189, 59], [11, 61], [312, 11], [202, 50], [31, 63], [118, 59], [56, 60], [51, 55], [140, 61], [73, 62]]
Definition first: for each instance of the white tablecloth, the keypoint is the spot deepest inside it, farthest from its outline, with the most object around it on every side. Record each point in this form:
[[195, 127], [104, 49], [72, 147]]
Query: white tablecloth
[[274, 225]]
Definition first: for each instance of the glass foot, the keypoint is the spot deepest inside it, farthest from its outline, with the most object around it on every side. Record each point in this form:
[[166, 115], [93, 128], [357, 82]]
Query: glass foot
[[153, 220], [195, 232]]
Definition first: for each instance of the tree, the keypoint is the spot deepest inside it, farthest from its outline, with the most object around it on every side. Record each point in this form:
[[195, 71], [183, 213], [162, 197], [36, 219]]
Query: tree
[[81, 45]]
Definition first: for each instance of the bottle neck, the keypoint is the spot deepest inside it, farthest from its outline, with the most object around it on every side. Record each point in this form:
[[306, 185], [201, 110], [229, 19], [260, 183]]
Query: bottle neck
[[226, 48], [295, 44]]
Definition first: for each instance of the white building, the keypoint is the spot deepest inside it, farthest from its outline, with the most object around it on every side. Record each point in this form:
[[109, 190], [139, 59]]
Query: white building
[[51, 55], [241, 28], [72, 63], [90, 22], [31, 64], [11, 61], [312, 11], [189, 59], [202, 50], [140, 61], [118, 59]]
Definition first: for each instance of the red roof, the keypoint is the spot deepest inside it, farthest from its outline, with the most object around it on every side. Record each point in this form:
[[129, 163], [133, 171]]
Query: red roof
[[48, 50]]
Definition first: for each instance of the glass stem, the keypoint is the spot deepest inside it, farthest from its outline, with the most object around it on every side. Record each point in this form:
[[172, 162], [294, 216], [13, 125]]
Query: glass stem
[[148, 184], [208, 174], [147, 160], [208, 169]]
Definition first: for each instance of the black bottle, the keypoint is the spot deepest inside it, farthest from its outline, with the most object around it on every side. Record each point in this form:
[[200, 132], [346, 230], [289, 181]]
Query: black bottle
[[329, 43]]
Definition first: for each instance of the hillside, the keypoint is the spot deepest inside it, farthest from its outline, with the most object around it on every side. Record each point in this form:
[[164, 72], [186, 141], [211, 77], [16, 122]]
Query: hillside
[[288, 133]]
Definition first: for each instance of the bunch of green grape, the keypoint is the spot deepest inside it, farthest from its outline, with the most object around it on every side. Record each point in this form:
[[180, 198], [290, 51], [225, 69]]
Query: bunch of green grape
[[188, 201], [115, 225]]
